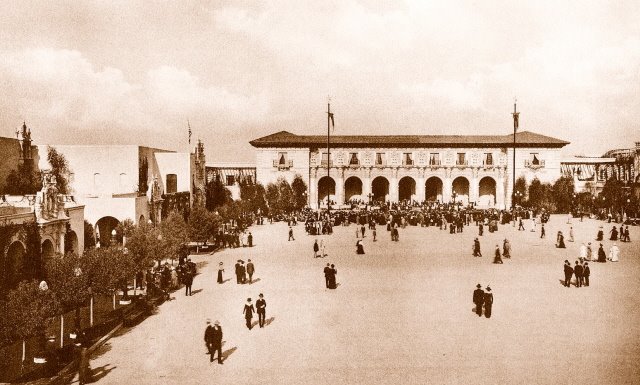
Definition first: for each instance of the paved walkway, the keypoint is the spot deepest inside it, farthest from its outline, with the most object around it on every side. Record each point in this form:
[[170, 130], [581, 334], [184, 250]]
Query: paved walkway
[[401, 315]]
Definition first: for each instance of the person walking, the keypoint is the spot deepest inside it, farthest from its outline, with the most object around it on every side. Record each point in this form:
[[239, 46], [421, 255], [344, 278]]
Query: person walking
[[250, 239], [359, 247], [238, 279], [316, 248], [476, 248], [188, 281], [614, 253], [560, 241], [600, 234], [602, 256], [480, 229], [589, 252], [220, 271], [497, 258], [243, 272], [213, 340], [375, 233], [506, 249], [250, 270], [323, 252], [571, 234], [261, 306], [327, 272], [520, 225], [332, 277], [577, 271], [248, 312], [291, 238], [362, 230], [543, 233], [488, 302], [586, 272], [478, 299], [583, 252], [568, 273]]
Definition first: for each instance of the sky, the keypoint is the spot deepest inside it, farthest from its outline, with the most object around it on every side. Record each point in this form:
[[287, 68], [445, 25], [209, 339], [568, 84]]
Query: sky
[[133, 72]]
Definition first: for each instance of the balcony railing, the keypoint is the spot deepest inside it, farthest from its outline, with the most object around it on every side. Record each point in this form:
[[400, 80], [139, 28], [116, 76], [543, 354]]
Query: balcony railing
[[407, 163], [486, 163], [464, 163], [325, 162], [283, 166], [354, 163], [530, 164], [380, 164]]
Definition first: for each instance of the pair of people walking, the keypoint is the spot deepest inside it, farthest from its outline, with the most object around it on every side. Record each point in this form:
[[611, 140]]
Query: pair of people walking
[[483, 300], [330, 272], [241, 272], [319, 250], [213, 340], [260, 309]]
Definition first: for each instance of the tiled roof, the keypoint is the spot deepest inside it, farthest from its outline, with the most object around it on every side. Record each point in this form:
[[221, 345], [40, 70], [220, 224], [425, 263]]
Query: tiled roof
[[523, 139]]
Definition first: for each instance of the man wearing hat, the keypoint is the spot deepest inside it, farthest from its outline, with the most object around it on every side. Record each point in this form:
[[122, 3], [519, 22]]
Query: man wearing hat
[[488, 302], [213, 340], [568, 272], [250, 270], [238, 279], [478, 299], [261, 306]]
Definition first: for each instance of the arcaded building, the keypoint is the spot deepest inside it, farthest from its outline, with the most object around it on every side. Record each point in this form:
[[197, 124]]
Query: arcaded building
[[474, 169]]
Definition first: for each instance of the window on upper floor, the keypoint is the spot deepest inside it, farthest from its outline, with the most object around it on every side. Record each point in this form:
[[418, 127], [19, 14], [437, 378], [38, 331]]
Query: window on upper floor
[[534, 158], [353, 159], [282, 158], [172, 183], [434, 158], [407, 159], [488, 159], [461, 159], [379, 158]]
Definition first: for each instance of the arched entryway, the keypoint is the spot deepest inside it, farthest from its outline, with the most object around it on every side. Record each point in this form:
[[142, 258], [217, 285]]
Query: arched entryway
[[407, 189], [326, 186], [71, 243], [433, 189], [487, 192], [12, 265], [460, 190], [104, 228], [353, 189], [380, 189], [48, 251]]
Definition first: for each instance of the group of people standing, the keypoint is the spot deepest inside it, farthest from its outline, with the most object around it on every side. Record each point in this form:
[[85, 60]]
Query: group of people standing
[[241, 272], [581, 272]]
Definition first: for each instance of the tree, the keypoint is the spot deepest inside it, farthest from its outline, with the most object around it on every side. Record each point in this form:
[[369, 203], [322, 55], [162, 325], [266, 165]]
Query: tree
[[124, 230], [541, 196], [273, 196], [217, 194], [252, 196], [89, 235], [520, 190], [59, 169], [27, 310], [202, 224], [70, 286], [613, 194], [23, 181], [563, 195], [299, 188], [175, 234], [109, 269], [142, 245]]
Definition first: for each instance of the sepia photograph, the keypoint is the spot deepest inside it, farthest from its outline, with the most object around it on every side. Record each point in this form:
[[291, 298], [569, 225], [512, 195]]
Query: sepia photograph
[[353, 192]]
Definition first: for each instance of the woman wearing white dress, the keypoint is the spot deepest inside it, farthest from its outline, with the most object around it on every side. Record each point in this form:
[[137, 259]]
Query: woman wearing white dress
[[583, 251], [614, 253]]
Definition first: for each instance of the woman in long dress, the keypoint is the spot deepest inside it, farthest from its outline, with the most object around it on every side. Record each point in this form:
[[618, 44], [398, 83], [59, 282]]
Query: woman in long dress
[[614, 234], [359, 247], [614, 253], [602, 256], [497, 258], [600, 235], [332, 277], [506, 249], [323, 253], [589, 252], [220, 271], [560, 243], [583, 251]]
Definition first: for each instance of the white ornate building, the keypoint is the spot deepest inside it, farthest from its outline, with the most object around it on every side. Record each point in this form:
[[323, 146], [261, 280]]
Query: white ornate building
[[463, 168]]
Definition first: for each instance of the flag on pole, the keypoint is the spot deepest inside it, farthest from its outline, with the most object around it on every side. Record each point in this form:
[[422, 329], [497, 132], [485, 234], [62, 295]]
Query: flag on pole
[[516, 120], [333, 125], [189, 124]]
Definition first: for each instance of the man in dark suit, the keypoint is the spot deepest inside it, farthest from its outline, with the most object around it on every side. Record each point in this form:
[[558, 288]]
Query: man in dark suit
[[248, 312], [188, 281], [586, 272], [568, 272], [250, 270], [578, 272], [327, 272], [488, 302], [213, 340], [261, 306], [243, 272], [478, 299]]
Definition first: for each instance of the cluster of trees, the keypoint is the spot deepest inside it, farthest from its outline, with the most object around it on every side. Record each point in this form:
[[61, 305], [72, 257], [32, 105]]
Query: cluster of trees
[[561, 197], [27, 180], [283, 197]]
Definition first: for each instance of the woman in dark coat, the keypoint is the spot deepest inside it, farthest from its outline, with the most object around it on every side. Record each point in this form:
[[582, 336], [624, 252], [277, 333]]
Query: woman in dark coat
[[220, 271], [497, 258], [602, 256], [359, 247], [600, 234], [331, 274], [560, 243], [614, 234]]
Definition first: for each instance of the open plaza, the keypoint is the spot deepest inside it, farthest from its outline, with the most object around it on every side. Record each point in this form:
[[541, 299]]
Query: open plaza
[[401, 314]]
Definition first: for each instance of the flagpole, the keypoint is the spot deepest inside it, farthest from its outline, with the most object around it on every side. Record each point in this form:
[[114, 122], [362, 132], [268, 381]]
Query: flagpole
[[328, 156], [515, 126]]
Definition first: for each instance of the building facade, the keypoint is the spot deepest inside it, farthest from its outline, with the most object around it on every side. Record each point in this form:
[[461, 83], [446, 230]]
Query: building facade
[[231, 175], [439, 168]]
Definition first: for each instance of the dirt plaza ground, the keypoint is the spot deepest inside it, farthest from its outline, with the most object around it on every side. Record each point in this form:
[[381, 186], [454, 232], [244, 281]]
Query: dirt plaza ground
[[402, 314]]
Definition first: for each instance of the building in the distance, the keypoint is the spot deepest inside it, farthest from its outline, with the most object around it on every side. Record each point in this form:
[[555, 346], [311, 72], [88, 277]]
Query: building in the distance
[[231, 174], [589, 173], [462, 168], [118, 182]]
